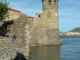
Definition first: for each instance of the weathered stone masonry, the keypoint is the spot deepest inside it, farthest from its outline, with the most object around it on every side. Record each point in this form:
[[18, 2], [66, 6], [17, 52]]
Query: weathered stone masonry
[[46, 29], [9, 47], [29, 31]]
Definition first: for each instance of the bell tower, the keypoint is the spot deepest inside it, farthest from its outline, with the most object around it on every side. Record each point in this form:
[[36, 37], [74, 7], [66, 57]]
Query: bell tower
[[50, 4], [50, 18], [46, 28]]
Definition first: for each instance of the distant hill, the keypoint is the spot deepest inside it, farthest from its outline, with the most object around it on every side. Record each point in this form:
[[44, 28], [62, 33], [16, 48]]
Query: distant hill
[[75, 30]]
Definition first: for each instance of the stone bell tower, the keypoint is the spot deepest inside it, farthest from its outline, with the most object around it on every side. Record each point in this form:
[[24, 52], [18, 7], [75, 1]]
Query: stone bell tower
[[50, 12], [46, 26]]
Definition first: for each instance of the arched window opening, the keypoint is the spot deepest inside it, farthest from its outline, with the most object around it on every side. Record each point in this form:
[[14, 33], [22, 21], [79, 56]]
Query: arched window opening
[[49, 1], [39, 15]]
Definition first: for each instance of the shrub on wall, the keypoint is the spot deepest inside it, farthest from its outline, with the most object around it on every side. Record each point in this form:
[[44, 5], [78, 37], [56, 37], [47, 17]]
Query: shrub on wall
[[3, 9]]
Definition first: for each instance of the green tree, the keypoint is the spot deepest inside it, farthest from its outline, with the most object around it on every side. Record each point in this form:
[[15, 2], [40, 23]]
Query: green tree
[[3, 9]]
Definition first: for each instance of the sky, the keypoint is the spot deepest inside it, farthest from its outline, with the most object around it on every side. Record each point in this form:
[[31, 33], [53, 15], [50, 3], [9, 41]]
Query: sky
[[69, 11]]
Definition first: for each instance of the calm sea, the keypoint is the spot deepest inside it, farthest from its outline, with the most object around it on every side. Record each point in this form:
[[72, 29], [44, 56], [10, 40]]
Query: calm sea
[[69, 50]]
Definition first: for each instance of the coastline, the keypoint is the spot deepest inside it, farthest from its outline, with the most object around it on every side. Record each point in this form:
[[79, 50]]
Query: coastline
[[69, 35]]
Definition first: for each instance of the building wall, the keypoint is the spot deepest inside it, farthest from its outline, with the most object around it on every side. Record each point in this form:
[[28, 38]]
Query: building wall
[[14, 14], [49, 4], [9, 46], [46, 26], [20, 29]]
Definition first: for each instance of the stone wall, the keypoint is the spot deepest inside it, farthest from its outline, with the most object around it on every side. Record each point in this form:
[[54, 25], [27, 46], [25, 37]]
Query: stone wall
[[29, 31], [45, 30], [49, 4], [46, 27], [9, 46]]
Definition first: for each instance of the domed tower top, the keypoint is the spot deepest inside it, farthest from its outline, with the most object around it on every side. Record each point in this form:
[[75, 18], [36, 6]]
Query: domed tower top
[[50, 4]]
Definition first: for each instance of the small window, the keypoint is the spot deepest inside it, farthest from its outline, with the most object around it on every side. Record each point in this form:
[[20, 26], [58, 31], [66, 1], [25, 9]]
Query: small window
[[49, 1], [39, 15]]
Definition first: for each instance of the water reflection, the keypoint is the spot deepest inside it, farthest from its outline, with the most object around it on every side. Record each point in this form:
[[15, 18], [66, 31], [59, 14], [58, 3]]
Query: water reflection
[[45, 53]]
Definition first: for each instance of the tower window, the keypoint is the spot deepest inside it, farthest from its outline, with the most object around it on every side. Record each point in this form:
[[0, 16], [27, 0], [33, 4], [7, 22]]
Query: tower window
[[49, 1], [39, 15]]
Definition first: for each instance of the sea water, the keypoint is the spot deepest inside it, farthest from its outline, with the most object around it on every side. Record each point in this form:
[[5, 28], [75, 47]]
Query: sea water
[[69, 50]]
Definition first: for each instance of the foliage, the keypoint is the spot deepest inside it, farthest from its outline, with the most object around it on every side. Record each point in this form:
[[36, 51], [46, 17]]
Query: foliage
[[75, 30], [3, 9]]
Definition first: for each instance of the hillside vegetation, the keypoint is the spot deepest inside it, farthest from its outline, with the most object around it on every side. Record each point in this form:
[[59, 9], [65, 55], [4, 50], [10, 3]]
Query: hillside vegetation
[[75, 30]]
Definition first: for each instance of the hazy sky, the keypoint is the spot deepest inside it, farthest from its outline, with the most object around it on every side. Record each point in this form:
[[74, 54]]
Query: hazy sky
[[69, 11]]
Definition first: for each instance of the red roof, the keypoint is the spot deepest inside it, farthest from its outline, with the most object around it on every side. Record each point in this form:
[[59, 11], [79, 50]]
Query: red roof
[[14, 10], [5, 20]]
